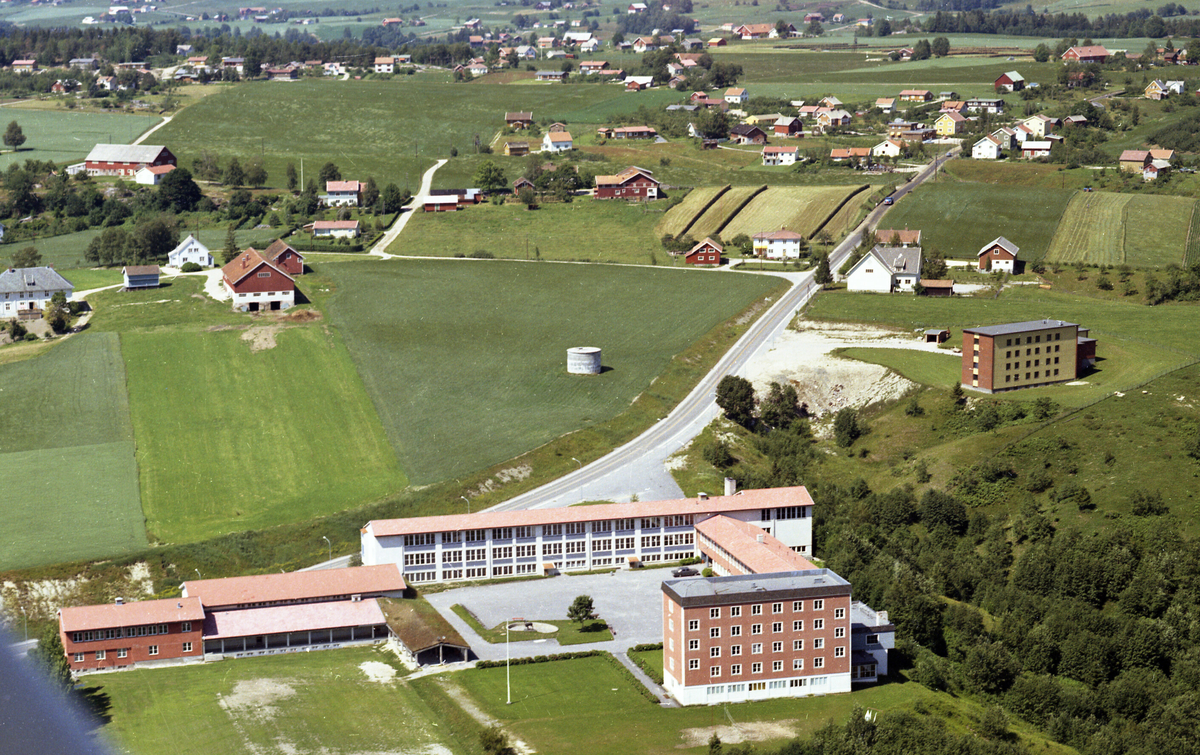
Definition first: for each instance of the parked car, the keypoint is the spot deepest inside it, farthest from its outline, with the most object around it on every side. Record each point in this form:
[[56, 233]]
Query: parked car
[[889, 200], [684, 571]]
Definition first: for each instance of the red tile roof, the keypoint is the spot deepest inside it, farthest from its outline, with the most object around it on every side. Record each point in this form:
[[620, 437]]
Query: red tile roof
[[276, 249], [740, 540], [80, 618], [343, 186], [304, 585], [747, 500], [308, 617], [335, 225]]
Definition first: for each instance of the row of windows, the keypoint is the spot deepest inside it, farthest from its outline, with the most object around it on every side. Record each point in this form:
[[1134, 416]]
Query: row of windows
[[756, 609], [784, 512], [1029, 363], [119, 632], [552, 530], [1036, 376], [757, 647], [733, 689], [501, 571], [735, 669], [1031, 339], [124, 652], [776, 628], [1035, 351]]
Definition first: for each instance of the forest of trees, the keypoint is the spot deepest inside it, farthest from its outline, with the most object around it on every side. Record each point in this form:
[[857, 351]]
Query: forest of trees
[[979, 20]]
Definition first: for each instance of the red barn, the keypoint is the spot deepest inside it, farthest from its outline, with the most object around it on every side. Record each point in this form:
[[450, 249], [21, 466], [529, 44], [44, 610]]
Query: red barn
[[125, 159], [631, 183], [114, 635], [707, 252], [1088, 54], [284, 257], [256, 284]]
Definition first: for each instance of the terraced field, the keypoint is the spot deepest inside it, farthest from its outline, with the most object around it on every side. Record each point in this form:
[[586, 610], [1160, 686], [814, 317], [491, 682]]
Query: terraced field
[[679, 218], [803, 209], [723, 210], [1112, 229]]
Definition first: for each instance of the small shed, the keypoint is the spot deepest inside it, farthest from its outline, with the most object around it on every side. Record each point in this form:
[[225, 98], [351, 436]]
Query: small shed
[[426, 636], [140, 276], [937, 336], [938, 288]]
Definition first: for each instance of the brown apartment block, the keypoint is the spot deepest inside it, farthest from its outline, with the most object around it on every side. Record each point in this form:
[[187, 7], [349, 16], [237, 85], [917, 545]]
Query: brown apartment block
[[1025, 354]]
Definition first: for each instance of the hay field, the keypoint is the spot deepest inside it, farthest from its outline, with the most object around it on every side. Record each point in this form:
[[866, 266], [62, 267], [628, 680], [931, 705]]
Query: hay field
[[1112, 229], [680, 217], [723, 210], [802, 209]]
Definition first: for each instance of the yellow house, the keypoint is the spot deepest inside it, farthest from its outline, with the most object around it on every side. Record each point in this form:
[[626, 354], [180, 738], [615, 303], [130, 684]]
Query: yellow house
[[950, 124], [1156, 90]]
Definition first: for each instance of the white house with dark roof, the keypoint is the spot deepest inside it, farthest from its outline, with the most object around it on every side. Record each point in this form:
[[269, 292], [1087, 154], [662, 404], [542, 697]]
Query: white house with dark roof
[[190, 250], [886, 269], [30, 289]]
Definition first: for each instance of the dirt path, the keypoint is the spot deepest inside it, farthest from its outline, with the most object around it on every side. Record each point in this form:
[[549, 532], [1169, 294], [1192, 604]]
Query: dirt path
[[469, 707], [380, 248]]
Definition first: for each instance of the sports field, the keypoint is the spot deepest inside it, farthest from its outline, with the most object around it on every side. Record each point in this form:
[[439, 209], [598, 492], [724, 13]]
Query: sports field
[[368, 128], [958, 218], [66, 454], [300, 703], [65, 136], [1112, 229], [230, 438], [466, 360], [584, 230]]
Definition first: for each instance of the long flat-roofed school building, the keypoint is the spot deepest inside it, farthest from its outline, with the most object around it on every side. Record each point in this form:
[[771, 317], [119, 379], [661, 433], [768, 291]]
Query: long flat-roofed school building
[[518, 543]]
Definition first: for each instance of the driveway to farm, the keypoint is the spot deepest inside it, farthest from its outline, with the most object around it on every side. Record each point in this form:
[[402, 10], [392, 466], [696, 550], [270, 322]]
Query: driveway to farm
[[380, 248], [638, 467]]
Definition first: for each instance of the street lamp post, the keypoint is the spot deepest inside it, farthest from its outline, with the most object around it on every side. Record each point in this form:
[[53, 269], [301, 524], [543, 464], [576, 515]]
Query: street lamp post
[[507, 665], [468, 503], [326, 539], [198, 574], [580, 463]]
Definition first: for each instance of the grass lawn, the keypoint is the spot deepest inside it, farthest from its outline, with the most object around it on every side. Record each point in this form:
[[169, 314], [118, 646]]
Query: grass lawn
[[65, 431], [723, 210], [301, 702], [465, 360], [958, 218], [66, 136], [1136, 342], [585, 230], [651, 659], [87, 278], [231, 439], [942, 369], [569, 632], [588, 703], [1112, 229], [369, 128]]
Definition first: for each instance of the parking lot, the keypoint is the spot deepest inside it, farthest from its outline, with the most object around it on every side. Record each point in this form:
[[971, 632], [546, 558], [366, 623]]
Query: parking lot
[[630, 601]]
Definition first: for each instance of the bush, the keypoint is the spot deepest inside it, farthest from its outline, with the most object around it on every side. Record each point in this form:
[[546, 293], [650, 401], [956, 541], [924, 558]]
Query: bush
[[190, 267], [1148, 504]]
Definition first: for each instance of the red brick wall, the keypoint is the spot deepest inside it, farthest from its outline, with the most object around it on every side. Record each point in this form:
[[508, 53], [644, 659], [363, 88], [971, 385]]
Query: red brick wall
[[987, 354], [169, 646]]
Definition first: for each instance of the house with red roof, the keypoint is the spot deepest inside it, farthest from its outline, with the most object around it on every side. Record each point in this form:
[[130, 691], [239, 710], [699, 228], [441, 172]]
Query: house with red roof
[[780, 155], [257, 285], [152, 175], [1087, 54], [631, 183], [338, 229]]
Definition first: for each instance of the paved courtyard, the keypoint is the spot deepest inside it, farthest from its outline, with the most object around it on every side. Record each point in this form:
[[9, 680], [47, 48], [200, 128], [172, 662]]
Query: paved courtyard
[[630, 601]]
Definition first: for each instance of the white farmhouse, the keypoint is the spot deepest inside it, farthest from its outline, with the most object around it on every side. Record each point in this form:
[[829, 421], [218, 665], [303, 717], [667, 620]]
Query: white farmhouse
[[152, 175], [888, 148], [780, 155], [886, 269], [778, 245], [30, 289], [557, 141], [190, 250], [342, 193], [987, 148]]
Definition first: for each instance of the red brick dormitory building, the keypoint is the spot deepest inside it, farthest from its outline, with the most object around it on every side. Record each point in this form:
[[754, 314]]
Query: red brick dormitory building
[[1025, 354]]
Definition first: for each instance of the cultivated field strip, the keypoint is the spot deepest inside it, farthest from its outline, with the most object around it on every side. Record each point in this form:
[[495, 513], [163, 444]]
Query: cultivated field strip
[[1156, 230], [680, 218], [1091, 230], [722, 211], [803, 209], [843, 219], [1192, 251]]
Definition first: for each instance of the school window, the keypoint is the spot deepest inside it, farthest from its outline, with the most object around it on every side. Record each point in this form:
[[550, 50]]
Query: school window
[[551, 530], [693, 664], [756, 629], [756, 649], [818, 623], [776, 608], [798, 626], [714, 651], [776, 647], [818, 663], [693, 625], [839, 652], [818, 605], [735, 611], [777, 665], [714, 632], [735, 630], [187, 647], [79, 657], [99, 655], [756, 610], [797, 664], [523, 532], [797, 644], [735, 669], [576, 528], [523, 551], [797, 605], [693, 644], [777, 627], [839, 613], [154, 650], [839, 632], [714, 670], [123, 653], [756, 668], [502, 533], [818, 643], [735, 649], [185, 626], [714, 613]]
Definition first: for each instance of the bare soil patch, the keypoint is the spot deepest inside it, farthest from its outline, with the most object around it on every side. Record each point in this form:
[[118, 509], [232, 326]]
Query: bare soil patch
[[261, 337], [378, 672], [256, 697], [759, 731]]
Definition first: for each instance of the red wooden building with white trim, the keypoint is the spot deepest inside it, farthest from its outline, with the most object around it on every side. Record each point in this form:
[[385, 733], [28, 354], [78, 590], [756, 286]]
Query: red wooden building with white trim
[[125, 159], [631, 183]]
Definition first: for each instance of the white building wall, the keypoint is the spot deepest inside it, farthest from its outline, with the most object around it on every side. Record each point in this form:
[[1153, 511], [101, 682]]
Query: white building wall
[[870, 275], [10, 303], [738, 692]]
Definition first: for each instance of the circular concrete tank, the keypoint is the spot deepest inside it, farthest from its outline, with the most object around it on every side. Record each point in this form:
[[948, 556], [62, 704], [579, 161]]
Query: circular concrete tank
[[583, 360]]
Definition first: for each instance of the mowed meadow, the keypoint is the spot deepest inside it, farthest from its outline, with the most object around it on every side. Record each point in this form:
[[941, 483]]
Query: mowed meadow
[[466, 360]]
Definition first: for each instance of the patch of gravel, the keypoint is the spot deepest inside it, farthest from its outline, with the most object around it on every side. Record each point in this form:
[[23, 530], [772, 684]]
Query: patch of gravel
[[256, 697], [140, 580], [758, 731], [261, 337], [378, 672]]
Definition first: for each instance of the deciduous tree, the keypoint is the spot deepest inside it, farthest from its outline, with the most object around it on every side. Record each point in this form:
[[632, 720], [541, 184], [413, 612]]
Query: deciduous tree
[[27, 257], [13, 136], [735, 396], [234, 175]]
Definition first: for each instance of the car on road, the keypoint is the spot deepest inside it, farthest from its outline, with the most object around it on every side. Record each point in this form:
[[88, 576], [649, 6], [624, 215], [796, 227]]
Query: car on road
[[889, 200], [684, 571]]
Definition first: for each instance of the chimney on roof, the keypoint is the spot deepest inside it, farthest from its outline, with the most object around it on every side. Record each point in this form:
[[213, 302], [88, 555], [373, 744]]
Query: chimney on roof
[[703, 496], [120, 601], [760, 538], [730, 486]]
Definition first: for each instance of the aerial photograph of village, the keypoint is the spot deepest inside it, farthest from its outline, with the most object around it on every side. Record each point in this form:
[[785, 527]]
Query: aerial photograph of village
[[698, 377]]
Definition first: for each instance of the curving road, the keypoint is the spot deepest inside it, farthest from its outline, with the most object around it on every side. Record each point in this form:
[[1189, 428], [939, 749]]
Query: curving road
[[406, 212], [637, 467]]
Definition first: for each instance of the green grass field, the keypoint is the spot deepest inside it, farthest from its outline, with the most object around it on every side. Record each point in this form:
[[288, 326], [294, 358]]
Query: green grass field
[[568, 632], [584, 230], [466, 361], [1136, 342], [65, 252], [958, 218], [230, 439], [1112, 229], [941, 369], [723, 210], [65, 432], [369, 128], [301, 703], [680, 217], [65, 136], [799, 209]]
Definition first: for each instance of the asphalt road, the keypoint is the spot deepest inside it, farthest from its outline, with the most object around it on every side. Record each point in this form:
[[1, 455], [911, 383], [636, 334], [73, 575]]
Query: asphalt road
[[637, 467]]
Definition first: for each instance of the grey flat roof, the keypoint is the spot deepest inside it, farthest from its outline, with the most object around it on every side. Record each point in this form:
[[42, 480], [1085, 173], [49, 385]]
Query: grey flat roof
[[1020, 327], [810, 583]]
